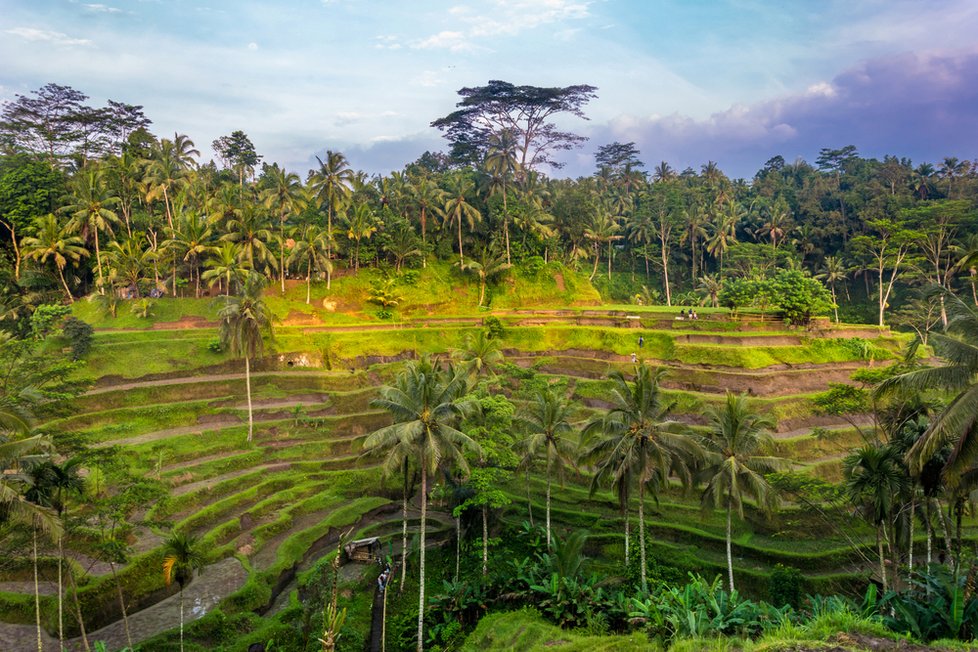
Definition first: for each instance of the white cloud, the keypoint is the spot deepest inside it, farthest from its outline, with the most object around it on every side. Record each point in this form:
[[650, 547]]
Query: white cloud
[[48, 36], [100, 8], [252, 46], [504, 18], [448, 40]]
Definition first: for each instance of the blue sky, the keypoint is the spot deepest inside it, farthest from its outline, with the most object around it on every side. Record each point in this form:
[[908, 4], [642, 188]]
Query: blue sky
[[735, 81]]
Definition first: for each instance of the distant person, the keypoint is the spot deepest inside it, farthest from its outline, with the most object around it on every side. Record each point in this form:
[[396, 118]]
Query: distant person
[[634, 358], [641, 341], [682, 315]]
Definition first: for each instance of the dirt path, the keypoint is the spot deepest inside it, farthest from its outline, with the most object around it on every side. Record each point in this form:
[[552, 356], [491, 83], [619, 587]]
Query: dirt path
[[209, 483], [156, 435], [216, 583], [839, 425], [206, 378]]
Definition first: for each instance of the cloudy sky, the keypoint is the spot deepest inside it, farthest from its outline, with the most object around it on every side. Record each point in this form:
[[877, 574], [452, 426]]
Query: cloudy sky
[[735, 81]]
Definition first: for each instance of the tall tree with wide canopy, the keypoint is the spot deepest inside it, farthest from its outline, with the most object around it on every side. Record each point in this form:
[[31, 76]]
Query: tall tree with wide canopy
[[244, 321], [426, 403], [55, 242], [734, 464], [634, 440], [547, 422], [331, 184], [527, 112]]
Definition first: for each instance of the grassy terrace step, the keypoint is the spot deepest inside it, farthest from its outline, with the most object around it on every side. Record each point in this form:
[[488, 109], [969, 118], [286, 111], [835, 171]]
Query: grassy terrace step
[[174, 354]]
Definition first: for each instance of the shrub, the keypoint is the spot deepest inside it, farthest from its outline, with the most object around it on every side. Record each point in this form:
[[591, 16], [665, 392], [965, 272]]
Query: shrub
[[494, 328], [79, 336], [46, 318], [784, 586]]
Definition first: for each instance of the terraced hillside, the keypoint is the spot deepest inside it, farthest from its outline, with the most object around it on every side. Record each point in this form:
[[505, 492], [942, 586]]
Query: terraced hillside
[[169, 405]]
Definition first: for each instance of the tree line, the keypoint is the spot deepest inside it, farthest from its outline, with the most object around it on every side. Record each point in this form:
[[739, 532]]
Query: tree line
[[91, 200]]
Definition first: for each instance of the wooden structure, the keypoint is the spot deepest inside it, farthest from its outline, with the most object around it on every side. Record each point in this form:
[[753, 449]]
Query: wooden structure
[[363, 550]]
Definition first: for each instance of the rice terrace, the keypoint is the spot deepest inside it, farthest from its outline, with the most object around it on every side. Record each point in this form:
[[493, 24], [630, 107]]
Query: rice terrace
[[493, 382]]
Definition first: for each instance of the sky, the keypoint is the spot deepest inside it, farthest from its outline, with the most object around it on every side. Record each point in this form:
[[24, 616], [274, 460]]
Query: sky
[[732, 81]]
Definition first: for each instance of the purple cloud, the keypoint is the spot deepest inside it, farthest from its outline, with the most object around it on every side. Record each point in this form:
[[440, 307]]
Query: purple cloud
[[913, 104]]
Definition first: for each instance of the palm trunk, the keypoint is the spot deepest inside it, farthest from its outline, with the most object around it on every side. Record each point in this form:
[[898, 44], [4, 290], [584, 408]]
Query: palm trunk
[[251, 416], [641, 535], [549, 463], [281, 236], [98, 261], [930, 530], [458, 545], [485, 540], [78, 612], [879, 547], [61, 274], [529, 503], [37, 596], [461, 258], [913, 505], [835, 304], [424, 241], [424, 513], [181, 619], [61, 617], [404, 538], [122, 604], [947, 531], [609, 260], [506, 225], [329, 245], [729, 547], [597, 259], [627, 528], [665, 274], [308, 283]]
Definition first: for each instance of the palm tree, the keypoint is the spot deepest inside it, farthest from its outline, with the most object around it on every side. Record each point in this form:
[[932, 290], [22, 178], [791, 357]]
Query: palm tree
[[967, 254], [778, 217], [733, 468], [635, 442], [16, 498], [225, 265], [724, 232], [54, 242], [694, 231], [361, 224], [90, 211], [500, 163], [190, 240], [286, 196], [127, 261], [182, 556], [51, 486], [244, 320], [547, 423], [426, 403], [710, 285], [458, 209], [603, 228], [311, 248], [481, 353], [331, 185], [833, 272], [488, 265], [429, 199], [250, 232], [875, 479], [167, 168]]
